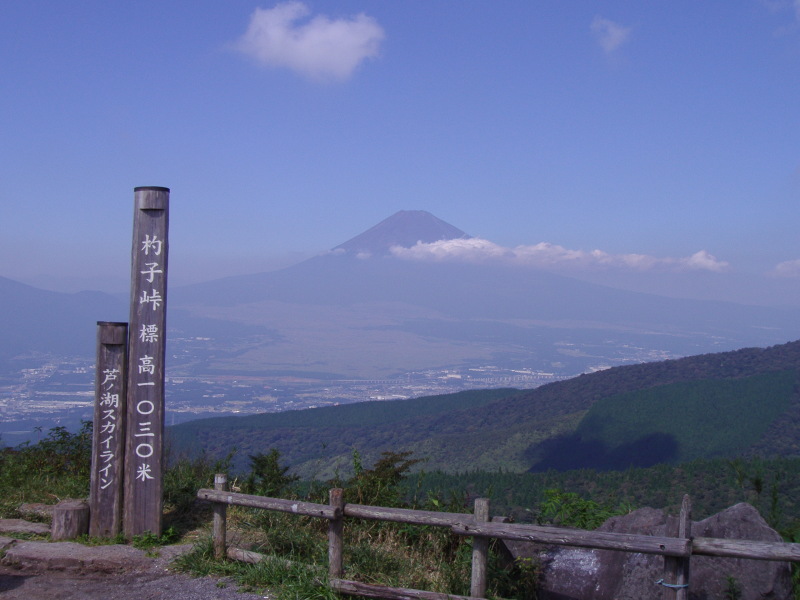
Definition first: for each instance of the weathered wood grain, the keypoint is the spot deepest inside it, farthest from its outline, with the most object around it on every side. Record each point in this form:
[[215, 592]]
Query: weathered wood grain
[[246, 556], [336, 534], [277, 504], [628, 542], [108, 435], [405, 515], [219, 526], [746, 549], [480, 551], [70, 520], [676, 569], [390, 593], [144, 449]]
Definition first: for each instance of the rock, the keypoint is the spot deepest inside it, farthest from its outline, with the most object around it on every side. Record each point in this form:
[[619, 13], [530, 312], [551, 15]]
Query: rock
[[21, 526], [757, 578], [36, 509], [583, 574], [6, 543], [70, 556]]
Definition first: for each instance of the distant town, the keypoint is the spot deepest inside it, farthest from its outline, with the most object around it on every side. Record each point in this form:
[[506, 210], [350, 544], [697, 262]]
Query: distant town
[[50, 391]]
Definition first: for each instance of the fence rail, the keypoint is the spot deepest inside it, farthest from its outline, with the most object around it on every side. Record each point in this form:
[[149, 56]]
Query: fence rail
[[677, 550]]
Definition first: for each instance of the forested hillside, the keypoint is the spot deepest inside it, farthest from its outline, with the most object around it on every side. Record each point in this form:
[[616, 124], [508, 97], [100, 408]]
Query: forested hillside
[[771, 485], [728, 404]]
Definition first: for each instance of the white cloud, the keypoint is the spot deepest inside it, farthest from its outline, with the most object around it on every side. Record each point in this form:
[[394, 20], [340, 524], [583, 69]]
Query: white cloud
[[787, 269], [462, 249], [609, 35], [320, 48], [546, 255]]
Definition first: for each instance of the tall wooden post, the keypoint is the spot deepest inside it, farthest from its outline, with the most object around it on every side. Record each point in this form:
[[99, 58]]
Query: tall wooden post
[[480, 551], [108, 438], [144, 450]]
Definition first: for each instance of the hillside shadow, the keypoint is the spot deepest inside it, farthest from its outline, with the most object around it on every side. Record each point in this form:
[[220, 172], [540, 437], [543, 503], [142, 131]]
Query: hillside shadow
[[571, 451]]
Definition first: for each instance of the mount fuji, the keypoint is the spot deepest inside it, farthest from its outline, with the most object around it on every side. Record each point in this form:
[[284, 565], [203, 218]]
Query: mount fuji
[[363, 309]]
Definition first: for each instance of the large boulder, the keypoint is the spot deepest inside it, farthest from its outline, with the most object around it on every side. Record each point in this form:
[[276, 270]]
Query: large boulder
[[582, 574]]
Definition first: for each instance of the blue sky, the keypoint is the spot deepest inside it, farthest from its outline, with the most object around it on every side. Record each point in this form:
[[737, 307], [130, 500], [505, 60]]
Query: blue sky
[[653, 145]]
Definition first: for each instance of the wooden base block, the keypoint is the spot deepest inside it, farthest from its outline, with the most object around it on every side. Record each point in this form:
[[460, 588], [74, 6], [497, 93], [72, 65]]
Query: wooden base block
[[70, 520]]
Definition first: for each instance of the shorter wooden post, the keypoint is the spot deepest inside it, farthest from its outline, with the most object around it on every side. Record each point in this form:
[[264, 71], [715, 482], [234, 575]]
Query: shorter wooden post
[[220, 518], [70, 520], [480, 551], [108, 438], [676, 569], [336, 534]]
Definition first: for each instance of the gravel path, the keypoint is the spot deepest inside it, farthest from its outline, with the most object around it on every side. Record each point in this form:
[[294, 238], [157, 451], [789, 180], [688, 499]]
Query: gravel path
[[65, 585], [151, 580]]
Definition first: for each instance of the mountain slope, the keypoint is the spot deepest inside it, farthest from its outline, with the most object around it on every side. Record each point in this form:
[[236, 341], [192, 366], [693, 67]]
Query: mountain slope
[[39, 320], [516, 430], [677, 422], [404, 228]]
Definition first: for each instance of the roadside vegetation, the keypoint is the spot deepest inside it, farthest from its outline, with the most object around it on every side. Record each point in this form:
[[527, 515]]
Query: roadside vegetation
[[393, 554], [390, 554]]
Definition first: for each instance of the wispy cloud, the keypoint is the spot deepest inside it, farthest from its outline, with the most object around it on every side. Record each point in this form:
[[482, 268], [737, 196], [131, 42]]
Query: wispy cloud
[[552, 256], [777, 6], [781, 7], [609, 35], [789, 269], [319, 48]]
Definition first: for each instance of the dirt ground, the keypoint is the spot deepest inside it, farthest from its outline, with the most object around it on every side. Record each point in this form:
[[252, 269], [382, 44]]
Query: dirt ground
[[155, 582]]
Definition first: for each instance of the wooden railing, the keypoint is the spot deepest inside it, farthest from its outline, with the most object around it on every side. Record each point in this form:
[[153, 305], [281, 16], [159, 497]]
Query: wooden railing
[[677, 549]]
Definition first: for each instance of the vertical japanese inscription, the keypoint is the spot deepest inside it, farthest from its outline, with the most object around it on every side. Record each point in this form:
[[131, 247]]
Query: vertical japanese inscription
[[144, 455], [108, 442]]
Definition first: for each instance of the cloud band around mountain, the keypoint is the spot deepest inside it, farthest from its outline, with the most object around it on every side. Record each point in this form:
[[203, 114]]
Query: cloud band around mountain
[[546, 255], [320, 49], [789, 269]]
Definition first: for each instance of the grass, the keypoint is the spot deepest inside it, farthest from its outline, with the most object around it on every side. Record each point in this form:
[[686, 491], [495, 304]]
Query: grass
[[58, 467], [375, 552], [382, 553], [295, 568], [281, 579], [387, 554]]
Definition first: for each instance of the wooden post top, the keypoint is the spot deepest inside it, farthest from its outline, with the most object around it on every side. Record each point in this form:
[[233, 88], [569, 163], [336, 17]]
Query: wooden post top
[[151, 197], [112, 333], [154, 188]]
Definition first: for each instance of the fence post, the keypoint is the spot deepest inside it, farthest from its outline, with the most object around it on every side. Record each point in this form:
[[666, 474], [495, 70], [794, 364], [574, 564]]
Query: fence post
[[480, 551], [220, 518], [676, 569], [335, 535]]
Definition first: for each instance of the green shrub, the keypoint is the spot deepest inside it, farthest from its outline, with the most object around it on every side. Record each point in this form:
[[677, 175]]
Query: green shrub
[[58, 467]]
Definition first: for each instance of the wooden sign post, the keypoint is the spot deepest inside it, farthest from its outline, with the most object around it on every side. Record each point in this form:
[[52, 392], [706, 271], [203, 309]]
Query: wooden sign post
[[108, 441], [144, 448]]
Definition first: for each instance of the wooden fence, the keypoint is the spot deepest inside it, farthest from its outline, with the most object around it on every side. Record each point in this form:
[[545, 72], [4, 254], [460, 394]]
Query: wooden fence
[[677, 549]]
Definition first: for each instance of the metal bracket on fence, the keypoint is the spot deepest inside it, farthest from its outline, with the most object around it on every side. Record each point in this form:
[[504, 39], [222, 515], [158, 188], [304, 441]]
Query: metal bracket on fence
[[674, 586]]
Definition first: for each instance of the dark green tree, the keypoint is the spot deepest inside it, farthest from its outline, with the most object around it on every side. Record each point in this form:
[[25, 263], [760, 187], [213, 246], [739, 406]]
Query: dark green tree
[[267, 477], [379, 485]]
